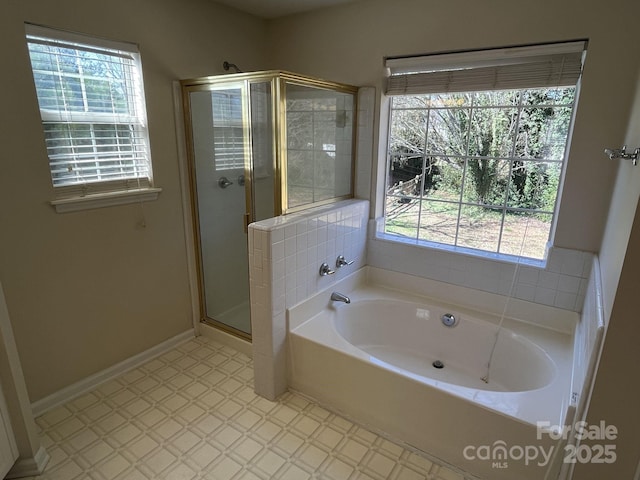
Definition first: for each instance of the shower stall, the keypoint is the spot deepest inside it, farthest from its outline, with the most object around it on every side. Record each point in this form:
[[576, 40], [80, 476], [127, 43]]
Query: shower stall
[[259, 145]]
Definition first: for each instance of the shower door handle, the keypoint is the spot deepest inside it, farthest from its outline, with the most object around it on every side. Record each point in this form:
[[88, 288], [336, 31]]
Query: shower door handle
[[224, 182], [246, 220]]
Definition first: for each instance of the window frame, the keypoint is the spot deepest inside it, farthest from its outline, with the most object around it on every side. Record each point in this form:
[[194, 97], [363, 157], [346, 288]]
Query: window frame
[[483, 58], [130, 187]]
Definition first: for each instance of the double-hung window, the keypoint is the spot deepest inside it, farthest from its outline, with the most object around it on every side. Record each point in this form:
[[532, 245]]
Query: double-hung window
[[91, 99], [476, 146]]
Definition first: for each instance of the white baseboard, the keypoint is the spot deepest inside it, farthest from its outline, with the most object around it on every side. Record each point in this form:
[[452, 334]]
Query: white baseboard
[[76, 389], [29, 467]]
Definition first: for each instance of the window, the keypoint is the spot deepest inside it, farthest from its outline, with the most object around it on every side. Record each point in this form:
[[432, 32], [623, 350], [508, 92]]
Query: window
[[91, 102], [476, 146]]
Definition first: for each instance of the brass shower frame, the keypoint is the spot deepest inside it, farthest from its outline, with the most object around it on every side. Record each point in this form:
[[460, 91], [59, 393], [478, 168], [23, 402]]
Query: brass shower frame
[[278, 80]]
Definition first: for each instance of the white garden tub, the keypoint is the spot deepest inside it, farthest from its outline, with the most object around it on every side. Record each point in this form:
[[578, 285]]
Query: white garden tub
[[373, 360]]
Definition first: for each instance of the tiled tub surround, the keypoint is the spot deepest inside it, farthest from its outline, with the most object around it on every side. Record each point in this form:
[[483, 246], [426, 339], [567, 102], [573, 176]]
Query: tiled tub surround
[[324, 366], [588, 340], [561, 282], [285, 254]]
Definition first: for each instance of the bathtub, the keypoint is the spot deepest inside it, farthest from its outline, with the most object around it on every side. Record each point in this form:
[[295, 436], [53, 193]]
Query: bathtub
[[388, 361]]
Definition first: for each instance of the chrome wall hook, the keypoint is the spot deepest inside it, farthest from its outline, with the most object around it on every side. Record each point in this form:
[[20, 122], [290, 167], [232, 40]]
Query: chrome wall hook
[[621, 153]]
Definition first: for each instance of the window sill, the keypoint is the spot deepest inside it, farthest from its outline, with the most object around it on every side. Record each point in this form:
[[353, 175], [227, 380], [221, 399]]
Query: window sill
[[100, 200]]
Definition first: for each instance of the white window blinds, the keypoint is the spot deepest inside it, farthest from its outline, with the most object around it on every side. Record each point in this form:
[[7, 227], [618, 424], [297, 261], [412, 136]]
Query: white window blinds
[[538, 66], [92, 108]]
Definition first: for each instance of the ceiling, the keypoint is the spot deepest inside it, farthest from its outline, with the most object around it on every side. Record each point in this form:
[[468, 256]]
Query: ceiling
[[279, 8]]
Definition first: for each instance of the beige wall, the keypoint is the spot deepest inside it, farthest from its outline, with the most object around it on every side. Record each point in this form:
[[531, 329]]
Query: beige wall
[[348, 44], [623, 207], [86, 290], [616, 389]]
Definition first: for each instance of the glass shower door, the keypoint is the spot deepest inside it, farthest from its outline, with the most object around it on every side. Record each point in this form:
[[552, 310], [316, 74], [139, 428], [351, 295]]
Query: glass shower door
[[220, 151], [234, 179]]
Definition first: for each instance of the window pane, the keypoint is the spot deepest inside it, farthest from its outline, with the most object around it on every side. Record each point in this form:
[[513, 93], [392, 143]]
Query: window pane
[[550, 96], [486, 181], [498, 98], [492, 132], [444, 178], [408, 131], [402, 216], [450, 100], [525, 234], [534, 185], [543, 132], [405, 175], [448, 131], [479, 228], [438, 222], [410, 101]]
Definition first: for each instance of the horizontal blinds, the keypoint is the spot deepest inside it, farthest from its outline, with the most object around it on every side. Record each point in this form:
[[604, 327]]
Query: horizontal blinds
[[92, 108], [500, 69]]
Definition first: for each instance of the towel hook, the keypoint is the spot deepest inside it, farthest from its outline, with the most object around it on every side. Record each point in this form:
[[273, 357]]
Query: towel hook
[[614, 153]]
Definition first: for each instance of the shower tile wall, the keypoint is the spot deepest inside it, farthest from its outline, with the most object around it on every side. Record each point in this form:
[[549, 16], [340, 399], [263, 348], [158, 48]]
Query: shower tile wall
[[285, 255]]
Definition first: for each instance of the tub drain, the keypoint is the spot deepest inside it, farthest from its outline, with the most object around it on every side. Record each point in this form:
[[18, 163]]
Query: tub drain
[[438, 364]]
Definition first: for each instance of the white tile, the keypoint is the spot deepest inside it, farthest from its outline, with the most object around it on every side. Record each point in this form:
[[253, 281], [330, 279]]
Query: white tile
[[545, 296], [277, 251], [569, 284], [525, 292], [548, 280], [573, 263], [290, 246], [528, 275], [277, 235], [290, 231], [565, 300]]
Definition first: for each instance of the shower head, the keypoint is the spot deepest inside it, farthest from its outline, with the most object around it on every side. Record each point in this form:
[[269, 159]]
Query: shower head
[[226, 65]]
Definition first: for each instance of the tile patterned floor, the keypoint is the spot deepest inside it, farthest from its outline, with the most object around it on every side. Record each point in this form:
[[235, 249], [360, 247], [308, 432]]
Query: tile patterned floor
[[192, 414]]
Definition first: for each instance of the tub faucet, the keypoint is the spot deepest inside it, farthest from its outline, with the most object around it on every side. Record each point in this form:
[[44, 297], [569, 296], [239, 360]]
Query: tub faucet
[[339, 297]]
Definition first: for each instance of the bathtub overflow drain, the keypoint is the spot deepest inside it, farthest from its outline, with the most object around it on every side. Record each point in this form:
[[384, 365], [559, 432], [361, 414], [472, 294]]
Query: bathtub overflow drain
[[438, 364], [448, 319]]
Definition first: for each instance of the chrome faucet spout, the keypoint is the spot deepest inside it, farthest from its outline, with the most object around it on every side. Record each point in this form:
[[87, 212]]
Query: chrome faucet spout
[[339, 297]]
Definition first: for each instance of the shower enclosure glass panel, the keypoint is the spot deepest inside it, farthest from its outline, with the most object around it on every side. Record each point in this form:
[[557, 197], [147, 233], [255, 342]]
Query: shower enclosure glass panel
[[219, 147], [319, 144], [246, 134]]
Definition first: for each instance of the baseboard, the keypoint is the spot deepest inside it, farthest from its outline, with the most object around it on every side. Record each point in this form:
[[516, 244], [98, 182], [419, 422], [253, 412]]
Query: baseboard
[[29, 467], [87, 384]]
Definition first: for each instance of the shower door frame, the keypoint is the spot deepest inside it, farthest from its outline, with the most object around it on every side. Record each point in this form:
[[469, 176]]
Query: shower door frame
[[278, 80], [210, 84]]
